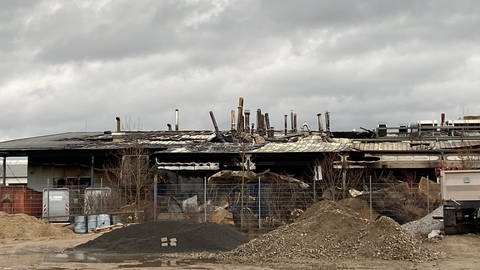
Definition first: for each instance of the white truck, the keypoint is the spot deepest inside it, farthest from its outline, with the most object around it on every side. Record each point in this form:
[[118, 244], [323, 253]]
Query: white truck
[[460, 192]]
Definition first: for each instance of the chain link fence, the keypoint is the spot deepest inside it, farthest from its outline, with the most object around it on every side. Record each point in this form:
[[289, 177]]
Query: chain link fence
[[258, 204]]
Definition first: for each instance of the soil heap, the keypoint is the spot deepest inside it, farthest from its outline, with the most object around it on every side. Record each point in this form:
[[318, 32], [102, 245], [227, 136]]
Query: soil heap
[[330, 231], [21, 226], [168, 236]]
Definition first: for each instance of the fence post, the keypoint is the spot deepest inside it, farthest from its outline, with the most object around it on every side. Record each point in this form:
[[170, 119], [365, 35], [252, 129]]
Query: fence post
[[259, 205], [205, 199], [102, 196], [155, 197], [428, 195], [48, 199], [370, 195]]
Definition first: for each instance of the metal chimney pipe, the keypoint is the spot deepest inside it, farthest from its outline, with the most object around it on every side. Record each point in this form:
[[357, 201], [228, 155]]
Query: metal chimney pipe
[[264, 125], [119, 129], [292, 124], [247, 120], [319, 121], [267, 121], [327, 121], [232, 119], [259, 120], [442, 119], [295, 122], [176, 119], [240, 119], [285, 117], [212, 116]]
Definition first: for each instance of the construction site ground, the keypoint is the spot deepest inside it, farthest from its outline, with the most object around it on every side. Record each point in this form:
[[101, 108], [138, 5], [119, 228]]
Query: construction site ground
[[328, 235], [458, 252]]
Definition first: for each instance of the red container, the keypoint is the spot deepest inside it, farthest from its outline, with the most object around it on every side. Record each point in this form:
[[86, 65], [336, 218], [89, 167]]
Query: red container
[[20, 199]]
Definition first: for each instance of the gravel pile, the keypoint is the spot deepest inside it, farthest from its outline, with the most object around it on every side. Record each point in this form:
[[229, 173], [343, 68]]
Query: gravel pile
[[426, 224], [330, 231], [167, 237], [21, 226]]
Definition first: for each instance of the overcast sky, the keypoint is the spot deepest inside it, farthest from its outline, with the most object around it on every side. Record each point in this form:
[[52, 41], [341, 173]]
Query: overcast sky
[[75, 65]]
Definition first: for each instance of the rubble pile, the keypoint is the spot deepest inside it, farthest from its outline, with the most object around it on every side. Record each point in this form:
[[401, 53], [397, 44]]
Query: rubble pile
[[426, 224], [168, 237], [330, 231], [360, 206], [21, 226], [402, 202]]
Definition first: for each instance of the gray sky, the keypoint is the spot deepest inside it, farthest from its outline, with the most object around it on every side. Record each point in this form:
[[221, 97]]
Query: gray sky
[[75, 65]]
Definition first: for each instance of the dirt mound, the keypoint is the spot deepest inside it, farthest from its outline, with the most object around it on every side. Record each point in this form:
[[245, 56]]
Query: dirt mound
[[168, 236], [330, 231], [21, 226], [360, 206]]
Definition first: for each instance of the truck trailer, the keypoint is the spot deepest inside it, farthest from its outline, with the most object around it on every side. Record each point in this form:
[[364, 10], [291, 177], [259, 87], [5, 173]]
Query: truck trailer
[[460, 193]]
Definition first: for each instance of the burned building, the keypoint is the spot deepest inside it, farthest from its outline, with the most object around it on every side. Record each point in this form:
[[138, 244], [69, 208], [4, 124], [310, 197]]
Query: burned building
[[182, 162]]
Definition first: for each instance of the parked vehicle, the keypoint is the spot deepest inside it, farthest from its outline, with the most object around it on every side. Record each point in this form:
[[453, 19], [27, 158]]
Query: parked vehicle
[[460, 192]]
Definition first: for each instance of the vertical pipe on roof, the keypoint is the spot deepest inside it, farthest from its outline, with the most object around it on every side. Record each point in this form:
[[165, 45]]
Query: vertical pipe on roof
[[247, 120], [118, 124], [319, 122], [269, 129], [291, 121], [240, 121], [263, 124], [285, 130], [294, 122], [176, 119], [267, 121], [327, 121], [442, 119], [259, 120], [232, 119]]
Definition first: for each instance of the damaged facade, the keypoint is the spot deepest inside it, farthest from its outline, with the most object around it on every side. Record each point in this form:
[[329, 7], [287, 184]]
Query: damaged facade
[[299, 158]]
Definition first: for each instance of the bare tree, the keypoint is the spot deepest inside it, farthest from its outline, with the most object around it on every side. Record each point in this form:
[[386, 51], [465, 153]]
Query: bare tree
[[338, 177], [129, 176]]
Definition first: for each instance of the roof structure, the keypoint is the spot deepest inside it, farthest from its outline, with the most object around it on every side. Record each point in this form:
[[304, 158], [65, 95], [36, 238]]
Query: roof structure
[[171, 142], [415, 146], [310, 144], [50, 142], [105, 140]]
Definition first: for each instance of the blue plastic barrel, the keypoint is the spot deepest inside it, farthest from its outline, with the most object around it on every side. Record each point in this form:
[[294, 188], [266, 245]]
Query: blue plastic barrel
[[116, 219], [103, 220], [80, 224], [92, 223]]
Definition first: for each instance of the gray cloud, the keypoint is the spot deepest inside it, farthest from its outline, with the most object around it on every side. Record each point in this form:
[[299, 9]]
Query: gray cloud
[[76, 65]]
